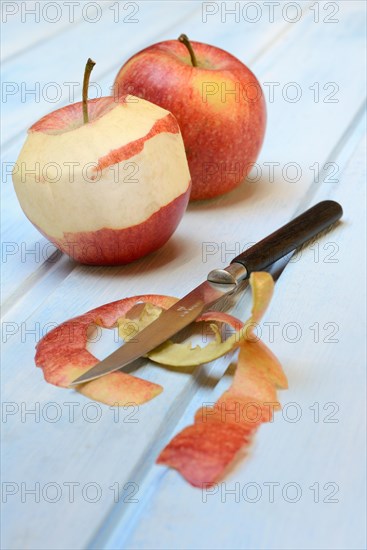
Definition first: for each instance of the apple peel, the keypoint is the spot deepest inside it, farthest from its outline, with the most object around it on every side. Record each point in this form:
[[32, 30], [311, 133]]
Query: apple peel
[[63, 356], [120, 389], [202, 452], [184, 355]]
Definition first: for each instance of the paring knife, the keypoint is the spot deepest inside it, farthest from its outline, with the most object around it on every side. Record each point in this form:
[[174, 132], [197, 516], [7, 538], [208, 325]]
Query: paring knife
[[220, 282]]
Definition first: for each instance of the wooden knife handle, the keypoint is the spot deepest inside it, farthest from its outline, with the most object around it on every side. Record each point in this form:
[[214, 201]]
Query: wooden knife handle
[[290, 236]]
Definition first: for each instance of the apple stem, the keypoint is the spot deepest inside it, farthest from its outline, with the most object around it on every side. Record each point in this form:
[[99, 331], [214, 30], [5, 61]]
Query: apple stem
[[88, 69], [184, 39]]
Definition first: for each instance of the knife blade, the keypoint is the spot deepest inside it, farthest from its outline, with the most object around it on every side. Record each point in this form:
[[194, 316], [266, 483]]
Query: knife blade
[[219, 283]]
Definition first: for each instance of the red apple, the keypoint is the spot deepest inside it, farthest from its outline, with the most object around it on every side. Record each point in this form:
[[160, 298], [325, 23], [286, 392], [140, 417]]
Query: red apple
[[107, 191], [217, 101]]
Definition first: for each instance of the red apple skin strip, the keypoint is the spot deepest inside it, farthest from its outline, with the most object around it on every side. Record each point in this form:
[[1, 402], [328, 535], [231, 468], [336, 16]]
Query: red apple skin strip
[[119, 389], [258, 357], [63, 356], [166, 124], [250, 381], [231, 408], [203, 451]]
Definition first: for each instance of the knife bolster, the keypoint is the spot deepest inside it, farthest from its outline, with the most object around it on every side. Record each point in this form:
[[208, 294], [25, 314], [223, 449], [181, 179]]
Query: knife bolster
[[232, 274]]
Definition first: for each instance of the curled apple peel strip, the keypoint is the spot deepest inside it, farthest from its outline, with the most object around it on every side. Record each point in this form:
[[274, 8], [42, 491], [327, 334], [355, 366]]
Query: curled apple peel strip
[[184, 355], [203, 451], [63, 356]]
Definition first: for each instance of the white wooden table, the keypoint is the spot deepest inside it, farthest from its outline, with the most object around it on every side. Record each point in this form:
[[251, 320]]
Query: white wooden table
[[309, 58]]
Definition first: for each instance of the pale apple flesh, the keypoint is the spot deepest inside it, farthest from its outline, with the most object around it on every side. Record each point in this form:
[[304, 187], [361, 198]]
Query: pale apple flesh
[[219, 106], [106, 192]]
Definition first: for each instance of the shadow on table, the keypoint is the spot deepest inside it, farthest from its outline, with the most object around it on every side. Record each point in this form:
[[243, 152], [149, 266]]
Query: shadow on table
[[245, 191]]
